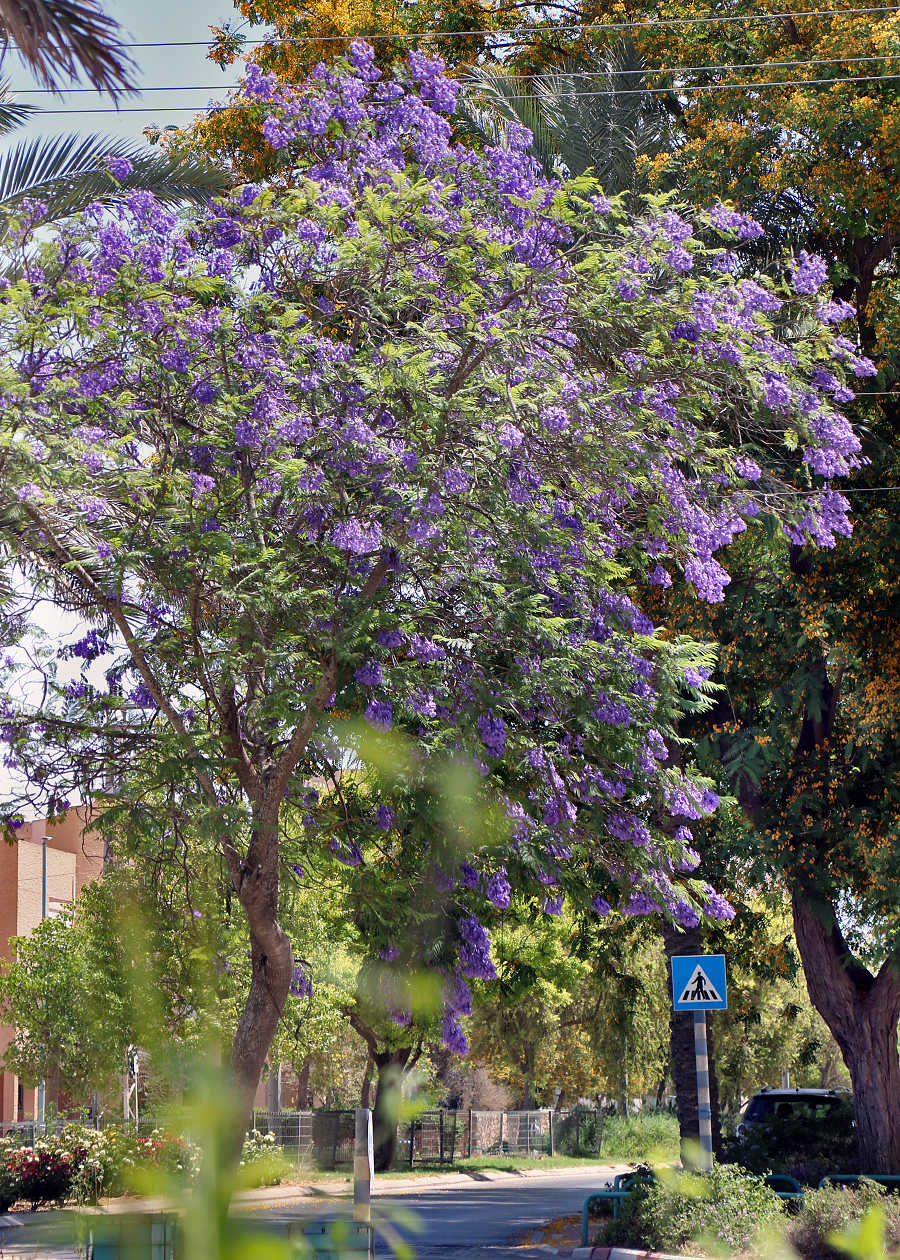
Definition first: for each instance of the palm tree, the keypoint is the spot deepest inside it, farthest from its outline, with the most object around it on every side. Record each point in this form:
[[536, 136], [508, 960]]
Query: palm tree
[[597, 114], [67, 173], [68, 38]]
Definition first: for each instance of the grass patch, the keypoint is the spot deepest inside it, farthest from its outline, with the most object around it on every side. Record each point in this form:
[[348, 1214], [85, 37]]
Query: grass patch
[[650, 1136]]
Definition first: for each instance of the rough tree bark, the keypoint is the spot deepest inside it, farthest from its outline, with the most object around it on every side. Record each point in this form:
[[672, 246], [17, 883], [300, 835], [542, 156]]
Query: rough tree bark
[[391, 1067], [682, 1056], [862, 1011]]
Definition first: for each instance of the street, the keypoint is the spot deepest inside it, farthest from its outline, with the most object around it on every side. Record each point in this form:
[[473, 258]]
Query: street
[[474, 1221]]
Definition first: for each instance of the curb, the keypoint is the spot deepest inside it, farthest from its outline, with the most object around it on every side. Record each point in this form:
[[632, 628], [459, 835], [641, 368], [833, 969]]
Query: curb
[[467, 1178], [606, 1253]]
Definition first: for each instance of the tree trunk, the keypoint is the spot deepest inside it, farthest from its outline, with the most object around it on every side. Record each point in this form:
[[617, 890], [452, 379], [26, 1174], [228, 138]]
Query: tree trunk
[[683, 1057], [386, 1112], [862, 1011], [622, 1076], [51, 1089], [530, 1058], [272, 962], [303, 1086]]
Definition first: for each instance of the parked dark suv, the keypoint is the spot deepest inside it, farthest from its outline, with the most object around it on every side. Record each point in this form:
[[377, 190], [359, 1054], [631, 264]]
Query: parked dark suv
[[803, 1104]]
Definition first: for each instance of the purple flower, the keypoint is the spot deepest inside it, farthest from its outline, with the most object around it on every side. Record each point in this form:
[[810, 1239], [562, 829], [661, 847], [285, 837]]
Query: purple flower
[[493, 733], [29, 491], [716, 907], [388, 953], [497, 889], [811, 273], [384, 816], [379, 714], [94, 509], [141, 697], [679, 259], [369, 674], [456, 481], [104, 550], [600, 906], [747, 468], [552, 905], [356, 537], [475, 951], [452, 1035], [298, 870], [119, 167], [301, 982]]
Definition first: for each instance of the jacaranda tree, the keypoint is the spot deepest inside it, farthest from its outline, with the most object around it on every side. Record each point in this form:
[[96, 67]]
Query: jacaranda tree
[[401, 443]]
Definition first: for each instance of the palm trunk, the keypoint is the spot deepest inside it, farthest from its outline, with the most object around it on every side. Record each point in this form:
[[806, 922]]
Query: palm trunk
[[861, 1011]]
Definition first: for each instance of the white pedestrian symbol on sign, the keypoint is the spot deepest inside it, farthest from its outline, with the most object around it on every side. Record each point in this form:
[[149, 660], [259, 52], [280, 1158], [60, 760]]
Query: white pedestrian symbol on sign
[[699, 989]]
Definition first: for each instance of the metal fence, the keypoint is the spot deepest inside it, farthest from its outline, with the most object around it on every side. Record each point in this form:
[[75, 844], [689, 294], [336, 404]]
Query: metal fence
[[325, 1139]]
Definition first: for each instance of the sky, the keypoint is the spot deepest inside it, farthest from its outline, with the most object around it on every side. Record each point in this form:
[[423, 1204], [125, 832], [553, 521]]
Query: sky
[[196, 81]]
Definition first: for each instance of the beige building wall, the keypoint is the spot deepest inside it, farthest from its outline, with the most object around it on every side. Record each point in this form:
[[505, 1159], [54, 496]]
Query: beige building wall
[[74, 858]]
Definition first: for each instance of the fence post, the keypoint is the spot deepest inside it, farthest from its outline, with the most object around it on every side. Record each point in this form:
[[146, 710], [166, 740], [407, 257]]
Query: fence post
[[551, 1133], [470, 1133], [441, 1114], [412, 1139], [502, 1114]]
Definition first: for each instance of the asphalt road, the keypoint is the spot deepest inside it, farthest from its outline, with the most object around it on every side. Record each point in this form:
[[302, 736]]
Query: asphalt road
[[472, 1222]]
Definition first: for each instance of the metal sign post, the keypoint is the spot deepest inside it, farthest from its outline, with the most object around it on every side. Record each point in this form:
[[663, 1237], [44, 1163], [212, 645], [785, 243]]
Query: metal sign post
[[698, 985], [704, 1111]]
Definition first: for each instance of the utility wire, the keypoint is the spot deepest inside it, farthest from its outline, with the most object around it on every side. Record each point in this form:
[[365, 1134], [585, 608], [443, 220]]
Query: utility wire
[[568, 74], [557, 29], [552, 30], [677, 89]]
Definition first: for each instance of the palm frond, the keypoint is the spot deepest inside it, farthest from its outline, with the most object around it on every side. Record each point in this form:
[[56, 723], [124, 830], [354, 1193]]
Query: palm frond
[[67, 173], [596, 114], [65, 39], [12, 112], [491, 100]]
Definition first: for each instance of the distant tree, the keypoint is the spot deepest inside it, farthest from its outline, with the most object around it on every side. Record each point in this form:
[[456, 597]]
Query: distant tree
[[65, 994]]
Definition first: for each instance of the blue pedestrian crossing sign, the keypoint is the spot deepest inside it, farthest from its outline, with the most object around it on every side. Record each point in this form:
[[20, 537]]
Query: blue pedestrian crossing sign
[[698, 982]]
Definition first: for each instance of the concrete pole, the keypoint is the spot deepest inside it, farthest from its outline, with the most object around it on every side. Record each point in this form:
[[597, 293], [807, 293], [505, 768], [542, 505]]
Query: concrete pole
[[704, 1109], [363, 1166]]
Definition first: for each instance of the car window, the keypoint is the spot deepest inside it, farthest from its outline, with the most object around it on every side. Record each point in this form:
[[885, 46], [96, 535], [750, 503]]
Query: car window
[[797, 1107]]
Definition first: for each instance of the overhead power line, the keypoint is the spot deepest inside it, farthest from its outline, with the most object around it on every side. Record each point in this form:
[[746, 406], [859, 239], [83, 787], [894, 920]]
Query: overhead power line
[[678, 90], [568, 74], [531, 30]]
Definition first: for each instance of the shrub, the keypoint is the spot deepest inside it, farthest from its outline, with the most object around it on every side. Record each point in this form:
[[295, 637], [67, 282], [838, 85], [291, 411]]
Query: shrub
[[802, 1147], [44, 1174], [83, 1164], [727, 1206], [262, 1161], [834, 1208], [649, 1135]]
